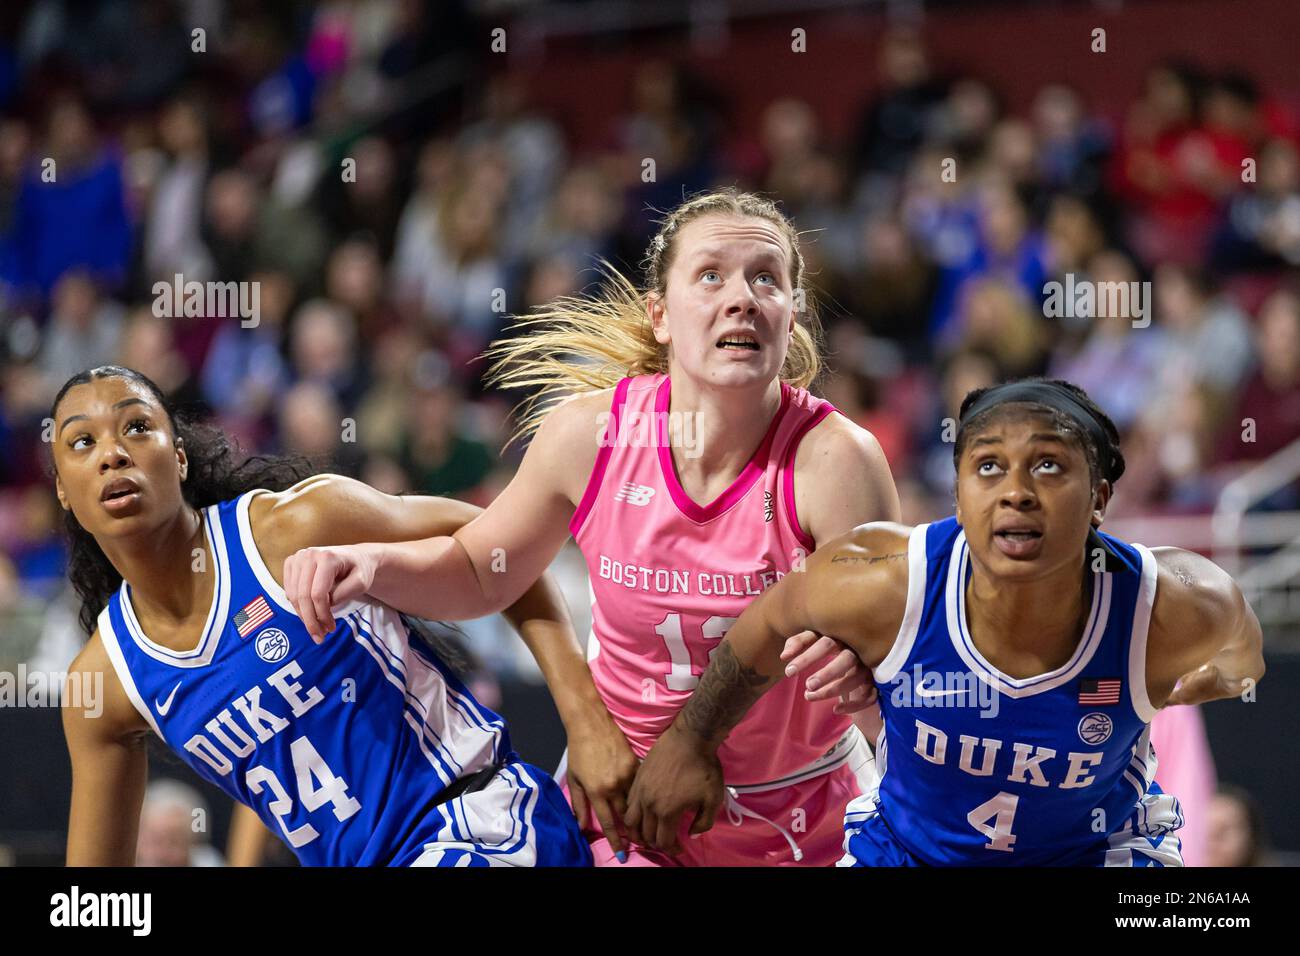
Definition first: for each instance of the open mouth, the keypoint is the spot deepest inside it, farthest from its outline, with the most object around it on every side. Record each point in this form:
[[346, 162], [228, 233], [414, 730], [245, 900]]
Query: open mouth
[[119, 488], [1019, 535], [738, 343], [1018, 542]]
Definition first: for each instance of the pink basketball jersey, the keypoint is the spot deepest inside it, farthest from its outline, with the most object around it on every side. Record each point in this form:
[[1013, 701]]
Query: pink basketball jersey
[[669, 576]]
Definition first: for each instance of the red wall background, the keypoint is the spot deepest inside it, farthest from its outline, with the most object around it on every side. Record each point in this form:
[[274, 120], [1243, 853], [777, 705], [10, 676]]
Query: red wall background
[[584, 81]]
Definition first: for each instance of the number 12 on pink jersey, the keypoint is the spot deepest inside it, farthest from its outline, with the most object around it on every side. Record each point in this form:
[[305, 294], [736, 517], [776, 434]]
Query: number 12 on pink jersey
[[681, 675]]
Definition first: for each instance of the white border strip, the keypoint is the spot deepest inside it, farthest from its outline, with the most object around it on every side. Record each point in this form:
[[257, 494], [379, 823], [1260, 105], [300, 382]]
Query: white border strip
[[109, 637], [1137, 646], [897, 657]]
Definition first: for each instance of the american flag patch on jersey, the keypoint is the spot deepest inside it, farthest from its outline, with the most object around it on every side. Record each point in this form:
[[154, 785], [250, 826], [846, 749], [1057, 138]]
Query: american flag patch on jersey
[[254, 614], [1100, 691]]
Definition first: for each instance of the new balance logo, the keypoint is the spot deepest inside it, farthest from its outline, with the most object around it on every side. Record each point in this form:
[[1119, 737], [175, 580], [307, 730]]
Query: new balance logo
[[635, 494]]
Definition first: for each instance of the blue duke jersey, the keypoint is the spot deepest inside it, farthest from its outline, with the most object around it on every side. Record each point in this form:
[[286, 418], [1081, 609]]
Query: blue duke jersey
[[979, 768], [341, 748]]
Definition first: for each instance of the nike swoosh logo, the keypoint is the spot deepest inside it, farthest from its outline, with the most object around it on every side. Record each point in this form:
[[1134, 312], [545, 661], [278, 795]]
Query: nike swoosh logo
[[167, 704], [926, 692]]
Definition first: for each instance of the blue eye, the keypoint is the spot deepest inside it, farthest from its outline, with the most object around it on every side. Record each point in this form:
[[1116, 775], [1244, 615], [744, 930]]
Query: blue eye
[[710, 272], [768, 275]]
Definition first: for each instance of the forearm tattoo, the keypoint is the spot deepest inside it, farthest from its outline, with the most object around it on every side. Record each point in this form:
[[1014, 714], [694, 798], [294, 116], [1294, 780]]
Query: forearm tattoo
[[727, 690]]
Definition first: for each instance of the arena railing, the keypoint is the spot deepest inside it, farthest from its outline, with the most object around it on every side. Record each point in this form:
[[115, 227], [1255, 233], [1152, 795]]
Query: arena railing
[[1260, 549], [1270, 579]]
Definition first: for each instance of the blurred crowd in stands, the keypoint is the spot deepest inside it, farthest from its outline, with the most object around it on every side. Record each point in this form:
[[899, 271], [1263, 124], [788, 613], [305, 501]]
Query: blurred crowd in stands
[[394, 221]]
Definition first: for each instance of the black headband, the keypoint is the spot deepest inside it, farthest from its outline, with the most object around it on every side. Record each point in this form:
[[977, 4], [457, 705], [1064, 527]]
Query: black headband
[[1058, 399]]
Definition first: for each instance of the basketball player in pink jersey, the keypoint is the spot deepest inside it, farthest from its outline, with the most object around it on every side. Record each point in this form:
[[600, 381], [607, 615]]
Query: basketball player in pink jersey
[[694, 470]]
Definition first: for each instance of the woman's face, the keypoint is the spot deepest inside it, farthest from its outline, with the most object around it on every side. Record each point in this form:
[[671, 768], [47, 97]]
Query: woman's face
[[1229, 836], [118, 466], [730, 277], [1025, 498]]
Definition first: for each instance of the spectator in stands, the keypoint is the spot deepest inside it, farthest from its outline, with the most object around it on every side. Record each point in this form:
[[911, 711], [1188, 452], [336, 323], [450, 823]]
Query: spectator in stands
[[244, 372], [903, 115], [966, 120], [172, 240], [84, 331], [1072, 147], [455, 270], [15, 157], [370, 204], [892, 286], [175, 827], [1005, 246], [580, 219], [438, 452], [1169, 450], [148, 343], [323, 349], [1074, 234], [36, 549], [1207, 335], [21, 615], [311, 423], [862, 367], [1013, 154], [1261, 225], [71, 210], [1237, 834], [354, 278], [1266, 417], [1176, 164], [1117, 362], [230, 225], [533, 150], [960, 373], [998, 318]]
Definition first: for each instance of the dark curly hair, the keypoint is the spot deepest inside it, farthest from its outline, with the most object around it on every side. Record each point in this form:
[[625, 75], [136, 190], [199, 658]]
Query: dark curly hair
[[213, 476], [1106, 462]]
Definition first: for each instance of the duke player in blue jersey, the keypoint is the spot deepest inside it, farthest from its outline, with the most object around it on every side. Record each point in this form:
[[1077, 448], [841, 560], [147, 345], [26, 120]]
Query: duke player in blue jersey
[[363, 750], [1019, 653]]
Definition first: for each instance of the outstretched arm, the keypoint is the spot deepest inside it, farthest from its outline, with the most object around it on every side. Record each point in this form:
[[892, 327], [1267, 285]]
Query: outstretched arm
[[850, 589], [1205, 643], [831, 507], [475, 568], [331, 510]]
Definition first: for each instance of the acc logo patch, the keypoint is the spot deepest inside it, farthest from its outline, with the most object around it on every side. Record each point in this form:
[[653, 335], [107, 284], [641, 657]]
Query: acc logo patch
[[272, 645], [1095, 728]]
